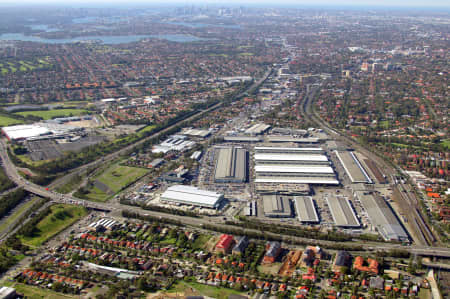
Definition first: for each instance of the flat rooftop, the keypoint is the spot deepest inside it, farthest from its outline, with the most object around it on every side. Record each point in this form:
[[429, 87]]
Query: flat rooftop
[[294, 169], [342, 212], [276, 206], [242, 139], [276, 138], [381, 216], [272, 149], [306, 211], [297, 180], [197, 133], [231, 165], [353, 167], [257, 129], [280, 188], [191, 195], [290, 157]]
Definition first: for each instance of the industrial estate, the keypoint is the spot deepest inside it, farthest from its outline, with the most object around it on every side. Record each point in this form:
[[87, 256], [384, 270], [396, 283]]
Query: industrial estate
[[239, 153]]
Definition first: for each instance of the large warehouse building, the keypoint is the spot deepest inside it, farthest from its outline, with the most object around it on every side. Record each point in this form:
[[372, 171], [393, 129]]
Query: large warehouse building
[[190, 195], [277, 206], [342, 212], [300, 159], [288, 150], [306, 211], [381, 216], [293, 165], [231, 165], [303, 140], [353, 167], [49, 129], [22, 132], [257, 129]]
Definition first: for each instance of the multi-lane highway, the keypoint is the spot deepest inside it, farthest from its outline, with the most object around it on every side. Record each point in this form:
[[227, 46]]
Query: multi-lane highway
[[117, 208]]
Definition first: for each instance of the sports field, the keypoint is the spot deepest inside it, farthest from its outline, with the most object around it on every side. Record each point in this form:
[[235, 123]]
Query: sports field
[[116, 177], [49, 114], [8, 121], [112, 180]]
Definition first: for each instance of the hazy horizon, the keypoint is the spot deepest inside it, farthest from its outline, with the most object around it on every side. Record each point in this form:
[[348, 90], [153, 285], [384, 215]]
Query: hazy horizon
[[261, 3]]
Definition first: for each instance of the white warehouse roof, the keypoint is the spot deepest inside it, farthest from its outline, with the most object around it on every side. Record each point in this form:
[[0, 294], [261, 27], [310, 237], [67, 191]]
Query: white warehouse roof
[[292, 157], [289, 149], [294, 169], [192, 195], [297, 180], [25, 131]]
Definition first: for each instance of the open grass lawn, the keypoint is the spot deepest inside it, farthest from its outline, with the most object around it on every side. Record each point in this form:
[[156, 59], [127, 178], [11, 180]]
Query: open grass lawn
[[116, 177], [168, 241], [74, 103], [27, 160], [32, 292], [8, 121], [200, 241], [146, 129], [270, 268], [49, 114], [23, 66], [61, 217], [384, 124], [446, 143], [206, 290], [70, 185], [16, 214], [96, 194]]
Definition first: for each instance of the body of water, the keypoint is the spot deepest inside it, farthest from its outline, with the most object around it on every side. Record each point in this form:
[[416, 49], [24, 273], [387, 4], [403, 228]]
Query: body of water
[[45, 28], [114, 39], [200, 25]]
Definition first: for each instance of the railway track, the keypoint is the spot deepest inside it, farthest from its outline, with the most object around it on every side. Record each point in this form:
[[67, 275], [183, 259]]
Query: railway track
[[422, 232]]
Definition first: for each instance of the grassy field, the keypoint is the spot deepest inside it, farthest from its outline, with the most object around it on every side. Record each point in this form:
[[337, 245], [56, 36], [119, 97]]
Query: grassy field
[[49, 114], [61, 217], [201, 241], [70, 185], [32, 292], [8, 121], [203, 290], [446, 143], [116, 177], [23, 66], [8, 221], [96, 194], [27, 160], [384, 124], [146, 129], [270, 268]]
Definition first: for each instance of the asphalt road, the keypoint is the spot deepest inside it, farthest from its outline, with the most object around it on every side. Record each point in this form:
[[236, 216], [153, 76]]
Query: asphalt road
[[116, 154], [113, 207], [422, 234]]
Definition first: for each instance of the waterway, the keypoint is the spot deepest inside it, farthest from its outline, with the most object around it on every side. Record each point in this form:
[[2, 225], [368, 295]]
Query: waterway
[[113, 39], [201, 25]]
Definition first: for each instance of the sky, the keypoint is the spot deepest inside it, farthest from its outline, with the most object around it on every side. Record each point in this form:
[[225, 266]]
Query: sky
[[392, 3]]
